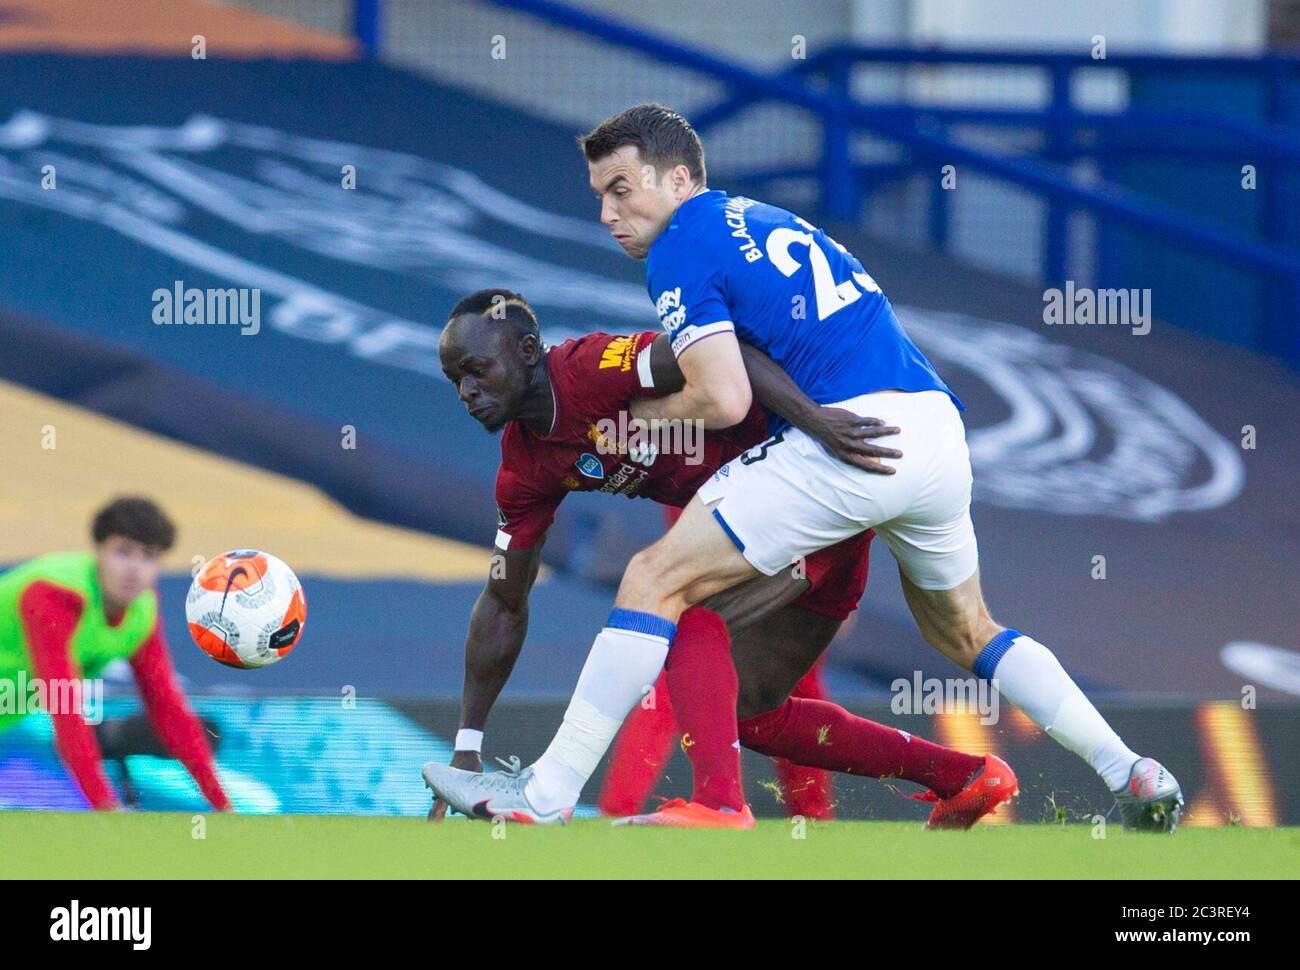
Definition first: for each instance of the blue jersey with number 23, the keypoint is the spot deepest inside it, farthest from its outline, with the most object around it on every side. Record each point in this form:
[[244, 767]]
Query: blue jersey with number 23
[[729, 263]]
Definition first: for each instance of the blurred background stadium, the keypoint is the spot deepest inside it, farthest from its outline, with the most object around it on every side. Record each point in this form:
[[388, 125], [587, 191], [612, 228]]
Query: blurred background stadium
[[1135, 491]]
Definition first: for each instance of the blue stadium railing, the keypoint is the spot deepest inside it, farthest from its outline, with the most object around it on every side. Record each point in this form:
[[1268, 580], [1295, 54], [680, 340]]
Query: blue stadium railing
[[1266, 254], [367, 25]]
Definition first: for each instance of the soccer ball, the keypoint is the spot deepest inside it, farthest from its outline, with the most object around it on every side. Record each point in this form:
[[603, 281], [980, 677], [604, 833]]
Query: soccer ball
[[246, 609]]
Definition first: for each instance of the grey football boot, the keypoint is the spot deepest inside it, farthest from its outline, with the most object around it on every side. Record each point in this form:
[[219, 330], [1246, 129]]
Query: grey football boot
[[1151, 800], [489, 796]]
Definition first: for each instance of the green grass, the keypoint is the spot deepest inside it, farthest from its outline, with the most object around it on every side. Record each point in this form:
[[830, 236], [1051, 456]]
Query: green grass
[[153, 845]]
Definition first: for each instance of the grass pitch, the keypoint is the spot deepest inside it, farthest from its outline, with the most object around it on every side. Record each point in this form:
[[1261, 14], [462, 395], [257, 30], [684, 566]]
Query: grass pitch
[[166, 845]]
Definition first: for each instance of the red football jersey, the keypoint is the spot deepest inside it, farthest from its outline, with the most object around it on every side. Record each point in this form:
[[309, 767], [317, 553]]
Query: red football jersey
[[593, 378]]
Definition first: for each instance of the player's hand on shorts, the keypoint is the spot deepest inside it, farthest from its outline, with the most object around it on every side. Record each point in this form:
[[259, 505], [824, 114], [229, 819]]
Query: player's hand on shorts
[[465, 760], [848, 437]]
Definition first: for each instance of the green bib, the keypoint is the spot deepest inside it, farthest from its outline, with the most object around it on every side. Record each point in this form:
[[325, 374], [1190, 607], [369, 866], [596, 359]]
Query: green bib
[[95, 644]]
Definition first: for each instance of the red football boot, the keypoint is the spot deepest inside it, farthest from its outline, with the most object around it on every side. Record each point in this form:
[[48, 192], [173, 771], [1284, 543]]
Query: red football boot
[[679, 813], [991, 785]]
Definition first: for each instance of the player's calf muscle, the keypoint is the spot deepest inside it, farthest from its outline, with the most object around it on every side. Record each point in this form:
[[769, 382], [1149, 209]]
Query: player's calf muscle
[[955, 622], [961, 642]]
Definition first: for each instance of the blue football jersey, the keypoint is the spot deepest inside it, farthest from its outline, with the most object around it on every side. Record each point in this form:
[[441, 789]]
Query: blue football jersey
[[729, 263]]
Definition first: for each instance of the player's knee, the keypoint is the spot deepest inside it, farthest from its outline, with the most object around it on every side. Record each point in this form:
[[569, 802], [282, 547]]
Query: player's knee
[[644, 571], [647, 584]]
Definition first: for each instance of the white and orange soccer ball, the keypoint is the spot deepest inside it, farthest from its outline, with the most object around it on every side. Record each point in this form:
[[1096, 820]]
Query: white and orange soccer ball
[[246, 609]]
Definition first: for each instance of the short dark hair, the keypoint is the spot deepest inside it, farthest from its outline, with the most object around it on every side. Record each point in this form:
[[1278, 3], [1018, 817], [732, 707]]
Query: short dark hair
[[135, 518], [662, 136], [500, 304]]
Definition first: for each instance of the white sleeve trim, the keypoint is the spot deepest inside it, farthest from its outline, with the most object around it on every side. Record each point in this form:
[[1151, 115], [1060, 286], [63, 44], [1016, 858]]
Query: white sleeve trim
[[643, 366], [692, 335], [503, 540]]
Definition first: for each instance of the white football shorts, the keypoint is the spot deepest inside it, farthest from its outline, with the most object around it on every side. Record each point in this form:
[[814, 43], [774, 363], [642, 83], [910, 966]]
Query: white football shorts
[[788, 497]]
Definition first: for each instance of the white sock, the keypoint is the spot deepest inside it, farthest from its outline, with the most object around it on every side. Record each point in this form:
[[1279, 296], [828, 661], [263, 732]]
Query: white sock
[[1030, 676], [624, 662]]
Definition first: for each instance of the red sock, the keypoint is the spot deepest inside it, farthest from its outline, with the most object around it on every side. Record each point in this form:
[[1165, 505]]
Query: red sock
[[820, 734], [809, 792], [703, 684], [640, 754]]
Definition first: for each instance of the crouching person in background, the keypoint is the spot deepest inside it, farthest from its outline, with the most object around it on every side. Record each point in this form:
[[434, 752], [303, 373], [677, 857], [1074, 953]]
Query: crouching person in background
[[65, 616]]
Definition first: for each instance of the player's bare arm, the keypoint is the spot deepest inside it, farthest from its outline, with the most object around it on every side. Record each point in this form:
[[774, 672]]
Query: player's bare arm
[[498, 626], [716, 386]]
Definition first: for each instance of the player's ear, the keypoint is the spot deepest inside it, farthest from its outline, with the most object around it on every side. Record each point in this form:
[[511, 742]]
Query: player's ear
[[530, 349], [681, 179]]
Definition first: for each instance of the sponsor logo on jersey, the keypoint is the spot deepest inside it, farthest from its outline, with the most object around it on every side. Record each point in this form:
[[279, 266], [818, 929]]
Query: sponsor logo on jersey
[[571, 483], [626, 479], [590, 465], [624, 437], [604, 444], [672, 313], [619, 352], [642, 452]]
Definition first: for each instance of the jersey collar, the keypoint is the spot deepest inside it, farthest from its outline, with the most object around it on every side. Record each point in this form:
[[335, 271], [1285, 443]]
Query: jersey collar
[[686, 212], [555, 398], [693, 206]]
